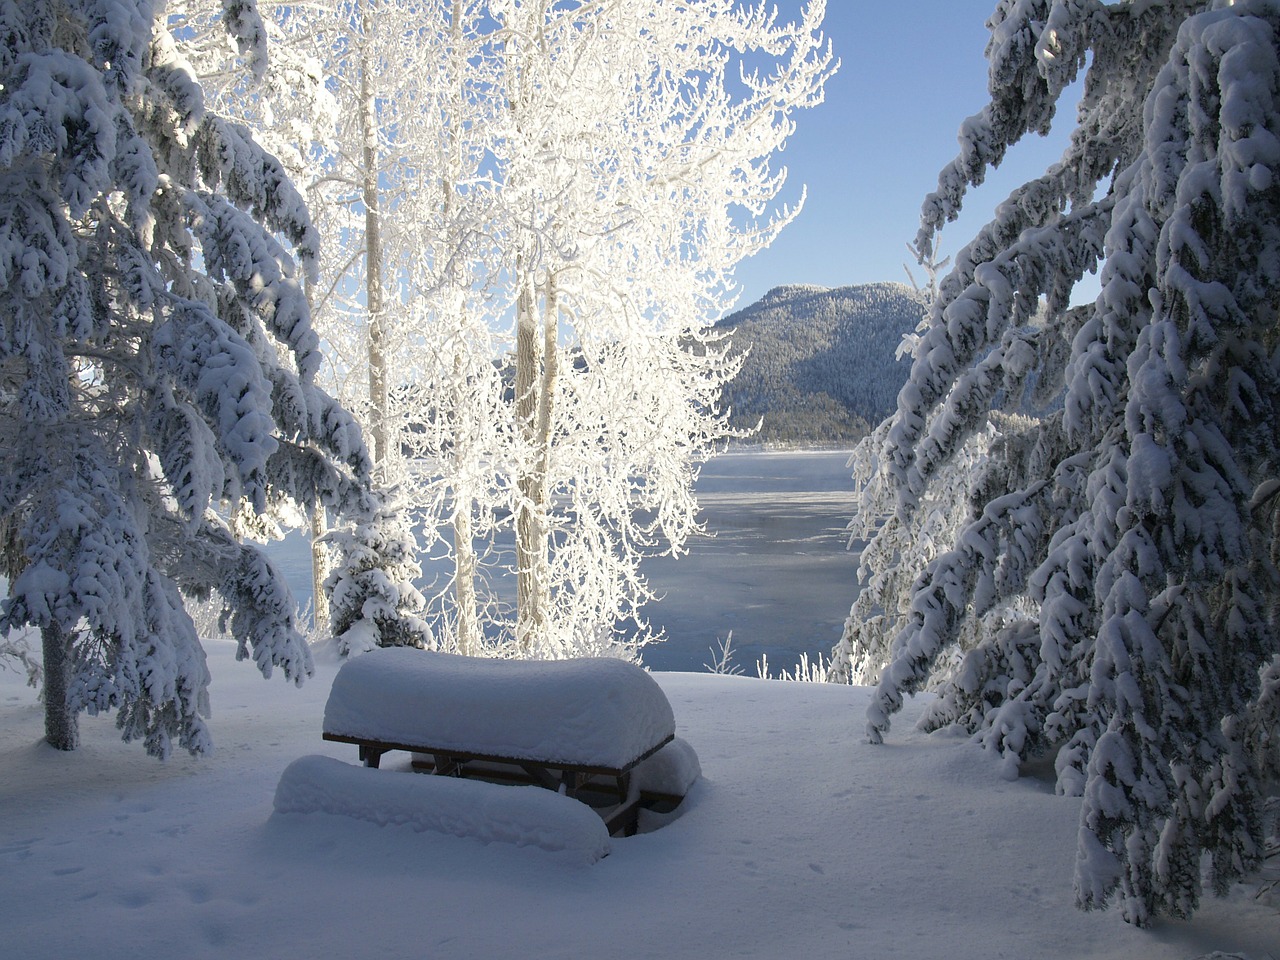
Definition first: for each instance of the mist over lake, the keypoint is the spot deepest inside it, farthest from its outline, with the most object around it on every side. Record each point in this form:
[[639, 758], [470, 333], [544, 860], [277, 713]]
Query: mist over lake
[[773, 567]]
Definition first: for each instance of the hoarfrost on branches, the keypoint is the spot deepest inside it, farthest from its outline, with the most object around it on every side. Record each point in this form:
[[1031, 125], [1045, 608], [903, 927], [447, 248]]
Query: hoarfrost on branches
[[537, 211]]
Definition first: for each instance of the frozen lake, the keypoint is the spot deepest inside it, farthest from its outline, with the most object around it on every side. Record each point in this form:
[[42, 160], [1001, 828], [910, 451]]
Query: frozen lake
[[774, 568]]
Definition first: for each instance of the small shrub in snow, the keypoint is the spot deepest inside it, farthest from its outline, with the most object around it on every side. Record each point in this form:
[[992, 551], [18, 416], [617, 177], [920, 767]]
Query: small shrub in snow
[[806, 671], [722, 658]]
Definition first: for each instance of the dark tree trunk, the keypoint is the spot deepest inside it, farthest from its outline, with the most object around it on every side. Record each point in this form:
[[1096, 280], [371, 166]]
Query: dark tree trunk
[[61, 726]]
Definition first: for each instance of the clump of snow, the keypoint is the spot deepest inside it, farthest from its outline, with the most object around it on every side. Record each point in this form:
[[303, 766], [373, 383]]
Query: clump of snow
[[587, 712], [672, 770], [523, 816]]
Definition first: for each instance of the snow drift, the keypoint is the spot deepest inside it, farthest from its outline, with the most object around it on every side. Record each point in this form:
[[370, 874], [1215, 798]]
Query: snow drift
[[523, 816]]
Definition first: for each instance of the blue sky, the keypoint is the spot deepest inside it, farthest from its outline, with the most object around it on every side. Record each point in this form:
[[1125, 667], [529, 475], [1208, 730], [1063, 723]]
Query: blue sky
[[910, 73]]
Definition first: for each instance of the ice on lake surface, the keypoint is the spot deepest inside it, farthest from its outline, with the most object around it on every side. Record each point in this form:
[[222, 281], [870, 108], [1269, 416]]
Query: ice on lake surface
[[775, 571], [774, 568]]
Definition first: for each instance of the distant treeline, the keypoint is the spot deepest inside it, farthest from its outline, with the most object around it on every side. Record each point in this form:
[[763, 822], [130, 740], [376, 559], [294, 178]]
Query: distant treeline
[[821, 366]]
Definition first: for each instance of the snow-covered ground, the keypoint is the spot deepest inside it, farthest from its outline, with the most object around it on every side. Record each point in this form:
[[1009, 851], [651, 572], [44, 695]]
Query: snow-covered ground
[[800, 841]]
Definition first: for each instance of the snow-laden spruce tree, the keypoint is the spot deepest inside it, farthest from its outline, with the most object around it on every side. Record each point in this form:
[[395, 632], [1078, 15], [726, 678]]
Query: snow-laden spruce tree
[[158, 366], [1126, 538]]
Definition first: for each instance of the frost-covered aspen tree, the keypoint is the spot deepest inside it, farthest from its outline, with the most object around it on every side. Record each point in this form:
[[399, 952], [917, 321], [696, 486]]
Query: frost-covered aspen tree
[[399, 193], [403, 74], [636, 174], [399, 188], [455, 428], [564, 191], [1129, 532], [159, 369]]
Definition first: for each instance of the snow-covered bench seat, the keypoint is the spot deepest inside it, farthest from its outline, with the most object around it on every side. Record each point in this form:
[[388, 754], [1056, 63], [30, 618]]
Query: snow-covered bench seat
[[578, 726]]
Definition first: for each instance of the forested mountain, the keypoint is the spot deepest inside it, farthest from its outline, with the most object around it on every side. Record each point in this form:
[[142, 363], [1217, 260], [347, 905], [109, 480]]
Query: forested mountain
[[821, 366]]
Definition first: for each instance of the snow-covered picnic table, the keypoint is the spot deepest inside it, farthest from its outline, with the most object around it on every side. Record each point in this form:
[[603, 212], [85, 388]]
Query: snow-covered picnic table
[[580, 727]]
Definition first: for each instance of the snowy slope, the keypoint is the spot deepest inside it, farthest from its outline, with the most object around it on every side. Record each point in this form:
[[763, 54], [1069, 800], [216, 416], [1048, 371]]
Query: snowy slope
[[799, 841]]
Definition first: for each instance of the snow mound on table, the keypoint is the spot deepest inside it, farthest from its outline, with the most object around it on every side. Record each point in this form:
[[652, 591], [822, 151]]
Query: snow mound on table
[[523, 816], [672, 770], [586, 712]]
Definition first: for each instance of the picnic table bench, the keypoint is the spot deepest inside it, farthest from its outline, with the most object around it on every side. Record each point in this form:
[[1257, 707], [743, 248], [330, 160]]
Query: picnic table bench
[[581, 727]]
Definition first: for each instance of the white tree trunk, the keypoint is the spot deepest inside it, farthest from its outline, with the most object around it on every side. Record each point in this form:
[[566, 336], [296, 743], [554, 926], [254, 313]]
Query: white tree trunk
[[378, 395], [531, 526], [319, 572], [529, 140], [535, 411], [550, 370], [466, 563], [464, 587]]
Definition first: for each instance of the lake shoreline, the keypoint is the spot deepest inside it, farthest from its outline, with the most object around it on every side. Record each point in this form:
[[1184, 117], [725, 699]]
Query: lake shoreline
[[773, 568]]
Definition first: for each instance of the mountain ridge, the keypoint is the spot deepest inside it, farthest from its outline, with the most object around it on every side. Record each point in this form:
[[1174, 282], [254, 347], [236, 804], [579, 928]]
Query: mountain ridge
[[820, 366]]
